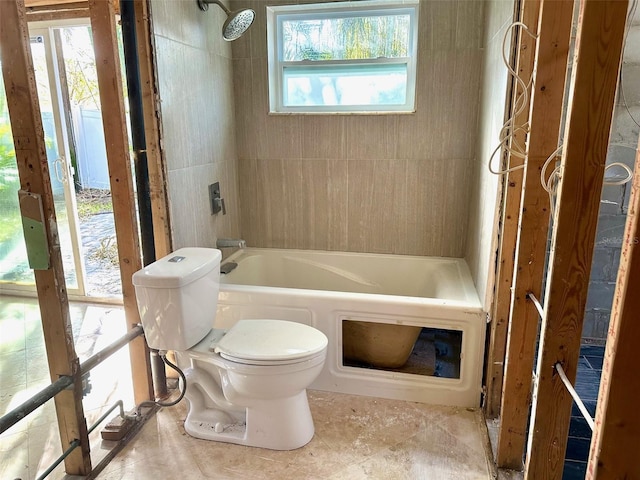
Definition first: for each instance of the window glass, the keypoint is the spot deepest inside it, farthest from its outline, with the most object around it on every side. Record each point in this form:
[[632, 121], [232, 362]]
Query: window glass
[[354, 85], [351, 38], [342, 57]]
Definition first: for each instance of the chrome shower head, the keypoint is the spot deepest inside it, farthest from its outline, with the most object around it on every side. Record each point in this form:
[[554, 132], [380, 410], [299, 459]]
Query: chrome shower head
[[237, 22]]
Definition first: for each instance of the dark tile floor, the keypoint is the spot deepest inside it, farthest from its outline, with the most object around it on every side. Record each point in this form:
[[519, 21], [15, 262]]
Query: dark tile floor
[[587, 386]]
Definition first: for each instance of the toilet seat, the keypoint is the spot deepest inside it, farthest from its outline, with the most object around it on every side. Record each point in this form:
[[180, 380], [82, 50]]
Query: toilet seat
[[270, 342]]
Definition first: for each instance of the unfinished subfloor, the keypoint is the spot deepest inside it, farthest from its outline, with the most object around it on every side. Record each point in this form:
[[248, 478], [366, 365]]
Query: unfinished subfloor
[[356, 437]]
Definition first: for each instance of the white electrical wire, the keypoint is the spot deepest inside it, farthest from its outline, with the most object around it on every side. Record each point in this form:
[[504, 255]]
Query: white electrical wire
[[508, 130], [550, 184], [628, 178]]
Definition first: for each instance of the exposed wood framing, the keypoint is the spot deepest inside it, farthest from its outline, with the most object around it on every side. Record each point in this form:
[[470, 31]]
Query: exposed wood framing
[[39, 11], [51, 4], [614, 452], [594, 80], [103, 24], [157, 183], [554, 35], [28, 137], [58, 15], [529, 12], [62, 7]]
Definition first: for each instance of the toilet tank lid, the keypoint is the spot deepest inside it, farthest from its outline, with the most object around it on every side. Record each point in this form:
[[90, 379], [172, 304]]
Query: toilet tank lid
[[178, 268], [266, 339]]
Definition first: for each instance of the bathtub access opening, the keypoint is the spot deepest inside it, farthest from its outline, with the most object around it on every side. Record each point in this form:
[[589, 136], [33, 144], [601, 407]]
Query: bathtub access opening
[[428, 351]]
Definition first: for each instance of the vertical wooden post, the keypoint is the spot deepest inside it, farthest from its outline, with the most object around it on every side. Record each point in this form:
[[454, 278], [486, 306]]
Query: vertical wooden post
[[595, 76], [103, 24], [28, 138], [554, 36], [157, 183], [529, 13], [614, 446]]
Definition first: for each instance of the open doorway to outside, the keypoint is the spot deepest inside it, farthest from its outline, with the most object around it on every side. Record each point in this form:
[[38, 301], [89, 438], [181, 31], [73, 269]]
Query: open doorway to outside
[[67, 85]]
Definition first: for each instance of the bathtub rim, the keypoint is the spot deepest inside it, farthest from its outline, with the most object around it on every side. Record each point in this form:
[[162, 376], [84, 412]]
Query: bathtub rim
[[472, 300]]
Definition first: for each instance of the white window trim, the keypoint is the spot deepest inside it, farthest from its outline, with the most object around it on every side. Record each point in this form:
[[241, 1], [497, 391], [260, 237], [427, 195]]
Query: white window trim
[[275, 16]]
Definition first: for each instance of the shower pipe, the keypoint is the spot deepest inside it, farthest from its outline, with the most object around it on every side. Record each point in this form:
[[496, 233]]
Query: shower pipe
[[46, 394], [139, 147]]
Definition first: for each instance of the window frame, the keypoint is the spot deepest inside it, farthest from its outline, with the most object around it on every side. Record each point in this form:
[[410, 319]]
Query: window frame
[[276, 66]]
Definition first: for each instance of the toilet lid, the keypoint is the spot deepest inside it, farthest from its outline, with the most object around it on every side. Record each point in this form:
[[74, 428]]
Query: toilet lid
[[270, 340]]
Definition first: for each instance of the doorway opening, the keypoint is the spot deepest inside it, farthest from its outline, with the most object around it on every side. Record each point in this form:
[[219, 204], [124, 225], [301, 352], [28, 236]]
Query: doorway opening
[[67, 86]]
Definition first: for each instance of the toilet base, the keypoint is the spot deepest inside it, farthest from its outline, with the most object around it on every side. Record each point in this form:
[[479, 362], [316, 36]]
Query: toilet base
[[278, 424]]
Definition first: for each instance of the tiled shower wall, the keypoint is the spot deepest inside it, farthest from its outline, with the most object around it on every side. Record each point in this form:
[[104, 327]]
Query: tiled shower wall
[[198, 125], [481, 248], [365, 183]]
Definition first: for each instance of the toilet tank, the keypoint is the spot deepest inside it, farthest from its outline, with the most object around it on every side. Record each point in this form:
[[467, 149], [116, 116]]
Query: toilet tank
[[177, 297]]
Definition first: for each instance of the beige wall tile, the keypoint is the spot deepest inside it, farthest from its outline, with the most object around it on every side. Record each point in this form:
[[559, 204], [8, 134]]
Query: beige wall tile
[[183, 216], [377, 201], [294, 203], [470, 24], [278, 137], [324, 204], [480, 245], [370, 137], [322, 136], [251, 220], [246, 125], [444, 127], [438, 23], [258, 37], [196, 95], [376, 183]]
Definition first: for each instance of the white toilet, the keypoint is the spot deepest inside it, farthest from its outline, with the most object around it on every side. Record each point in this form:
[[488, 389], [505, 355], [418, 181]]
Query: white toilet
[[245, 385]]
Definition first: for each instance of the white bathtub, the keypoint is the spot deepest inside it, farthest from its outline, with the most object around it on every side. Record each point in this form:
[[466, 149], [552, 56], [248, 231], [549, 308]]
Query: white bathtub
[[323, 289]]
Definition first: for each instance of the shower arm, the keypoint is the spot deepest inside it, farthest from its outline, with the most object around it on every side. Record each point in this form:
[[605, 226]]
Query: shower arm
[[204, 5]]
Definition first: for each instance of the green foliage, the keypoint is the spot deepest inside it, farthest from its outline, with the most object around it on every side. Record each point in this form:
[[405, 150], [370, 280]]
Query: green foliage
[[80, 69], [9, 184], [350, 38], [91, 202], [8, 168], [374, 37]]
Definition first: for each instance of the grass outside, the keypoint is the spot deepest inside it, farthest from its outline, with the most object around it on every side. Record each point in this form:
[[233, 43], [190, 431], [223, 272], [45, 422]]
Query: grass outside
[[91, 201]]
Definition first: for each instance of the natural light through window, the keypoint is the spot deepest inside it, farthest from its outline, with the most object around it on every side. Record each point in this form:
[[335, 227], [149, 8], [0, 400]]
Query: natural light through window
[[342, 57]]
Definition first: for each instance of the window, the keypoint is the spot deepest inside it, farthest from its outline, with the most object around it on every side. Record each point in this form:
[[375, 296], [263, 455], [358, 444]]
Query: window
[[343, 57]]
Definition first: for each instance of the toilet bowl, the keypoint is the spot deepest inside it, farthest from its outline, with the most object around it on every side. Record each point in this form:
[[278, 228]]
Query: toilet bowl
[[246, 385]]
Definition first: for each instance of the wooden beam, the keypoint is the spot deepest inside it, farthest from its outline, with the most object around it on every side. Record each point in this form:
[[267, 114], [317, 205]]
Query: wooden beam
[[614, 445], [526, 47], [554, 36], [593, 85], [103, 25], [57, 15], [51, 4], [28, 138], [62, 5], [40, 6], [157, 176]]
